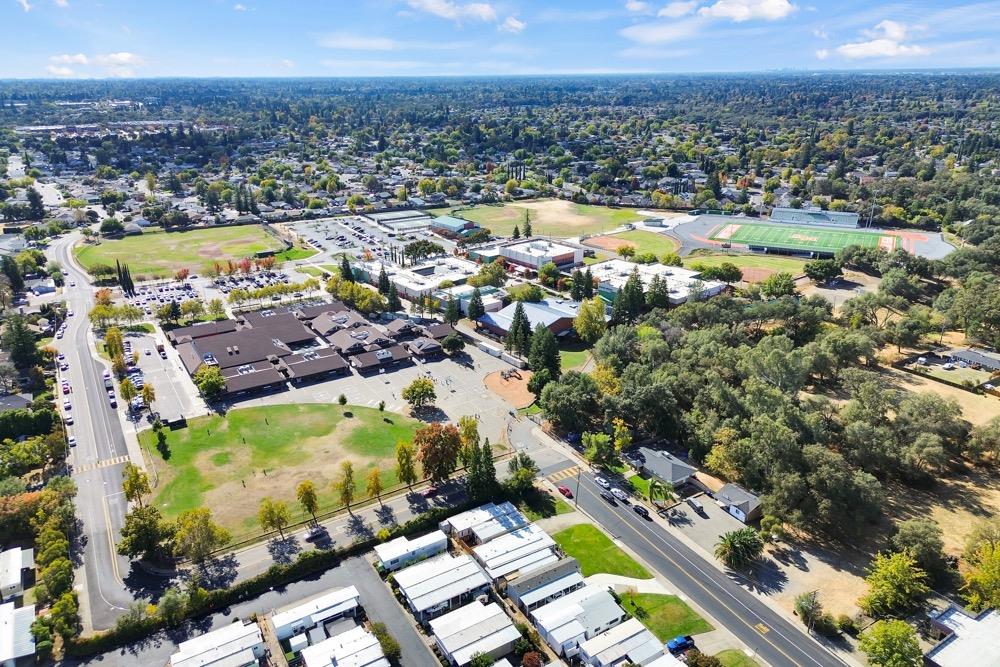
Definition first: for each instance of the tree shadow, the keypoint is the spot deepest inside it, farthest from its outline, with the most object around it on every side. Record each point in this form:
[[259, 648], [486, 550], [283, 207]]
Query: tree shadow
[[386, 515], [790, 557], [765, 578], [539, 502], [358, 528], [284, 550], [417, 503], [678, 518], [219, 572], [144, 584], [430, 414]]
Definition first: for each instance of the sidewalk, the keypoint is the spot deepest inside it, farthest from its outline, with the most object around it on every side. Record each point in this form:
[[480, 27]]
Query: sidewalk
[[622, 584]]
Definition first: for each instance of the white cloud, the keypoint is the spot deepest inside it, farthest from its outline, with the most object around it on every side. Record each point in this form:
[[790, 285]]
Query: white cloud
[[70, 59], [748, 10], [654, 53], [59, 70], [287, 63], [118, 59], [25, 5], [886, 41], [512, 24], [239, 7], [455, 11], [822, 54], [675, 10], [351, 42], [62, 3], [661, 32], [819, 33], [638, 6]]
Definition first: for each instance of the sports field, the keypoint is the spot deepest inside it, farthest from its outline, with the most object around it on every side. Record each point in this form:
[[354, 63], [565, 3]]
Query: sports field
[[159, 254], [229, 463], [549, 217], [798, 237]]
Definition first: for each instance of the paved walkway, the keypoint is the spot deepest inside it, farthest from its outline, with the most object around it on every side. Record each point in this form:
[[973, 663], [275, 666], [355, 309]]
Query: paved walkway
[[622, 584]]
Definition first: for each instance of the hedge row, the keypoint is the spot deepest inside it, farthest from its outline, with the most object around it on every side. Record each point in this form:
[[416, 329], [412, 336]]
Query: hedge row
[[307, 563]]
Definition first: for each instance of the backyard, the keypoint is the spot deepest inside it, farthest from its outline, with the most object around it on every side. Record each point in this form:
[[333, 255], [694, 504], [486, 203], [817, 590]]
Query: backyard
[[251, 453], [549, 217], [666, 616], [160, 254], [597, 553]]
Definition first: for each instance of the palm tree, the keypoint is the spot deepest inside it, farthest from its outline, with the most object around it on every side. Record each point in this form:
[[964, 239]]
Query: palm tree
[[738, 549], [661, 490]]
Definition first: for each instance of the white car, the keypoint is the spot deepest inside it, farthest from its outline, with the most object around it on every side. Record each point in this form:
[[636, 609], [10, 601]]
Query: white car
[[72, 283], [71, 440], [67, 405], [620, 495], [603, 483], [69, 313]]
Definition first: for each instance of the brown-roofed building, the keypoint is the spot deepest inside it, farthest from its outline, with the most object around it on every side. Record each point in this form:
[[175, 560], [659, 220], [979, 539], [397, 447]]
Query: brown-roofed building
[[253, 378], [367, 362], [425, 348], [283, 326], [309, 313], [355, 341], [328, 323], [439, 331], [245, 346], [195, 331], [314, 364], [401, 328]]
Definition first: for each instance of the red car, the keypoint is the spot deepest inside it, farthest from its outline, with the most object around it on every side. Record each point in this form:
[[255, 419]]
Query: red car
[[565, 491]]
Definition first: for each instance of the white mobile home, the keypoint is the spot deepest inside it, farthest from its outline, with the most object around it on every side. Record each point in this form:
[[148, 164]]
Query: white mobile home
[[400, 552]]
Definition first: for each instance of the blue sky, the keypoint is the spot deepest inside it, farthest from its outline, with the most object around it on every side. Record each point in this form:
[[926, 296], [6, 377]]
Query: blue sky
[[149, 38]]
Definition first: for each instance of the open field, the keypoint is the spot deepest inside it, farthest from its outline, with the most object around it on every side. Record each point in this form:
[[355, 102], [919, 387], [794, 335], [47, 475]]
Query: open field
[[573, 355], [159, 254], [798, 237], [666, 616], [643, 241], [251, 453], [755, 267], [549, 217], [976, 408], [597, 553]]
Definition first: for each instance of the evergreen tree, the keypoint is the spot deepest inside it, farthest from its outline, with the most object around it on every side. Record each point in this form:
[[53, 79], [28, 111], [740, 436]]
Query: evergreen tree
[[383, 282], [345, 270], [634, 298], [576, 291], [474, 477], [658, 295], [619, 309], [13, 274], [487, 470], [519, 335], [588, 284], [527, 224], [516, 234], [544, 354], [452, 313], [476, 308], [392, 300]]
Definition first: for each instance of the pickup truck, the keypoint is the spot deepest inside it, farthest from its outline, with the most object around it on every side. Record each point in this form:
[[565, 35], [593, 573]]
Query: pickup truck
[[680, 644]]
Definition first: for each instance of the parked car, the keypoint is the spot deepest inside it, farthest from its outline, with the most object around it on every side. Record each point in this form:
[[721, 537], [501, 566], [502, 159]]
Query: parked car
[[565, 491], [641, 511], [429, 492], [680, 644], [314, 533], [620, 495], [608, 497], [603, 483], [71, 441]]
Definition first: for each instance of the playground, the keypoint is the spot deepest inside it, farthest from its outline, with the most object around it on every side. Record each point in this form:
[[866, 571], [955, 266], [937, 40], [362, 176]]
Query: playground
[[512, 386]]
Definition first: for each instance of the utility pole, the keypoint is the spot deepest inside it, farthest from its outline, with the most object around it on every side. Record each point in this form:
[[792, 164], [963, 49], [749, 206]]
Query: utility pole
[[576, 495]]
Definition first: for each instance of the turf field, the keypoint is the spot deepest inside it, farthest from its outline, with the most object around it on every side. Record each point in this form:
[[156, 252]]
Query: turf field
[[159, 254], [798, 237]]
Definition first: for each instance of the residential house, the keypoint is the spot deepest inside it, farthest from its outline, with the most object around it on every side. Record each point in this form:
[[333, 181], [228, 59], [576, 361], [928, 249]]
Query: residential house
[[475, 629], [433, 587], [665, 467]]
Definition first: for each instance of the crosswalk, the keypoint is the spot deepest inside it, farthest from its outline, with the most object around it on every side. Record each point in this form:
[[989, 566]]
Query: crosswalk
[[105, 463], [565, 473]]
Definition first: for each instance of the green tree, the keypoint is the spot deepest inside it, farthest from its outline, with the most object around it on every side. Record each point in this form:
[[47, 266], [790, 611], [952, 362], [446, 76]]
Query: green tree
[[135, 483], [306, 494], [346, 273], [476, 308], [453, 343], [777, 285], [572, 403], [823, 270], [197, 535], [406, 462], [274, 515], [345, 485], [589, 322], [452, 313], [597, 447], [523, 470], [739, 549], [145, 534], [808, 608], [392, 302], [172, 605], [209, 381], [894, 584], [518, 337], [891, 644], [548, 274], [544, 353], [419, 393], [922, 539], [981, 580], [19, 342]]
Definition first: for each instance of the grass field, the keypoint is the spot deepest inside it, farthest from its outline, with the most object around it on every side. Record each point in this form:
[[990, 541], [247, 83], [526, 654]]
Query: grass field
[[549, 217], [798, 237], [573, 355], [597, 553], [159, 254], [538, 504], [644, 241], [732, 657], [777, 263], [251, 453], [640, 485], [666, 616]]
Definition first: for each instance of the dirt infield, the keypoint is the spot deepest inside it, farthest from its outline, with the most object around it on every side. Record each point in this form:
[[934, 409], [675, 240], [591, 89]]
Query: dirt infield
[[608, 243], [756, 275], [514, 390], [726, 232]]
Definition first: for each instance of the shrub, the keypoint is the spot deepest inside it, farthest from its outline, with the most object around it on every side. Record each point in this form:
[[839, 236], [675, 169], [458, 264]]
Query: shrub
[[390, 647], [826, 626], [847, 625]]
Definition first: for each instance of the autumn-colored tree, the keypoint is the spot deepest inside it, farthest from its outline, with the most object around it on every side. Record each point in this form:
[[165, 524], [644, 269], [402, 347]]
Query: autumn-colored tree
[[182, 274], [103, 296], [373, 485], [438, 446], [406, 462], [305, 492], [345, 484], [245, 265]]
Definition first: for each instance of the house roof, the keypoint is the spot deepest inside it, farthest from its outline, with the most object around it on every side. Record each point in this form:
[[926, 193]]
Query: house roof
[[283, 326], [973, 639], [14, 402], [184, 334], [16, 640], [737, 496], [314, 362], [358, 338], [578, 614], [311, 312], [244, 346], [332, 321], [252, 376], [374, 358], [435, 581], [423, 345], [526, 582], [666, 466], [545, 312], [400, 325], [474, 628], [439, 331]]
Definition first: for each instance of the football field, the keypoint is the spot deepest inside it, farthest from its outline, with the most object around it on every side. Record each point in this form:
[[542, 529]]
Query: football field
[[799, 237]]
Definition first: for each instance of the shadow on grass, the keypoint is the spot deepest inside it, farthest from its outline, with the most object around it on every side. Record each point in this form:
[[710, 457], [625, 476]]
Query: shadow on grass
[[538, 503]]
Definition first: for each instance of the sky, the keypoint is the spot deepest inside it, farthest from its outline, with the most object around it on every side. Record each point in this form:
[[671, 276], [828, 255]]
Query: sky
[[292, 38]]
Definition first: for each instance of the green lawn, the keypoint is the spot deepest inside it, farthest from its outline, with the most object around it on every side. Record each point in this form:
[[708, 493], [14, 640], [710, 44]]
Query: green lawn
[[776, 263], [597, 553], [666, 616], [572, 356], [159, 254], [550, 217], [797, 237], [251, 453], [640, 485], [311, 271], [644, 242], [735, 658], [294, 253]]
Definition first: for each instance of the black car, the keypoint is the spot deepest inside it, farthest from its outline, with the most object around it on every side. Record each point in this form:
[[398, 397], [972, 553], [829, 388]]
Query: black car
[[610, 498], [641, 511]]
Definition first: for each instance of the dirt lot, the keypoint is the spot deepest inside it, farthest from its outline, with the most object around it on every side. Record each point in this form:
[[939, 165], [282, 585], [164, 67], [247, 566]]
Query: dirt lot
[[513, 390], [608, 242], [977, 408]]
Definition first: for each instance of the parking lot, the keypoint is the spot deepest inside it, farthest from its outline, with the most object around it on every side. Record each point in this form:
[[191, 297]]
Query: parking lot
[[706, 527], [354, 235], [176, 395]]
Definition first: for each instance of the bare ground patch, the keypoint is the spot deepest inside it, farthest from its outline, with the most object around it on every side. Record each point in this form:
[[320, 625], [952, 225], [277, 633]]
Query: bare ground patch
[[513, 390], [608, 243]]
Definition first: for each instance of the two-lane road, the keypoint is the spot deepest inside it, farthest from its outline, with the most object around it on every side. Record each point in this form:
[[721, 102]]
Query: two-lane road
[[766, 632]]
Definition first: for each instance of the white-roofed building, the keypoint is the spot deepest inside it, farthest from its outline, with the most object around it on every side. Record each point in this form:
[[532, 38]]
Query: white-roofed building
[[16, 640], [355, 648], [627, 642], [498, 526], [238, 644], [401, 551], [522, 550], [537, 587], [614, 273], [13, 563], [968, 640], [315, 612], [665, 660], [463, 525], [434, 586], [578, 616], [534, 253], [473, 629]]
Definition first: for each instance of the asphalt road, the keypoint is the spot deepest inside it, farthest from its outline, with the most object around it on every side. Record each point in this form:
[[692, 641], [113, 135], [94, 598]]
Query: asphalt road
[[744, 614], [96, 462]]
